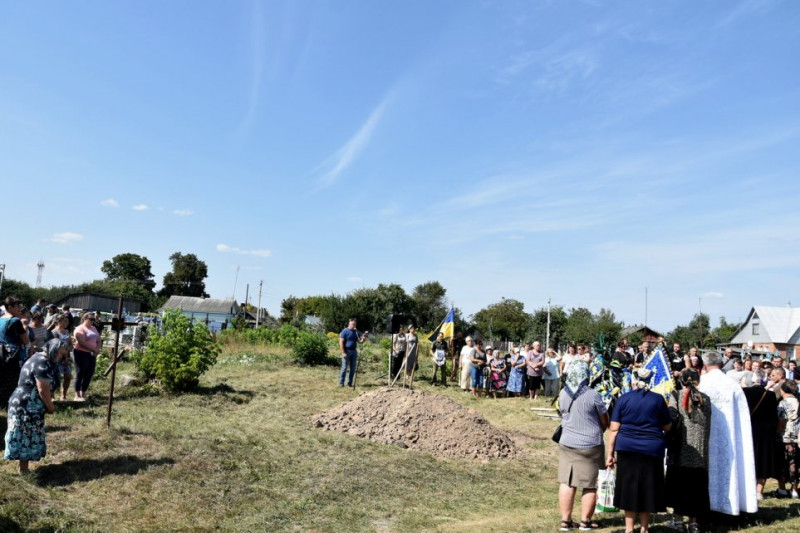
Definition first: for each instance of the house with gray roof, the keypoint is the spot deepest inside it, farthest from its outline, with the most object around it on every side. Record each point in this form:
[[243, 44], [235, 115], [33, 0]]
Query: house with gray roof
[[217, 314], [771, 329]]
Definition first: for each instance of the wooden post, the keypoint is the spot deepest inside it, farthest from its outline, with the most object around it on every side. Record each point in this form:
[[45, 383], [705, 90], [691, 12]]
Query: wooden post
[[118, 327]]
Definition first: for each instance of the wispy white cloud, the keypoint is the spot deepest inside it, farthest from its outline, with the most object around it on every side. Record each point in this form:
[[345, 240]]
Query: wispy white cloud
[[140, 207], [109, 202], [354, 279], [330, 169], [258, 48], [183, 212], [746, 8], [712, 294], [224, 248], [66, 237]]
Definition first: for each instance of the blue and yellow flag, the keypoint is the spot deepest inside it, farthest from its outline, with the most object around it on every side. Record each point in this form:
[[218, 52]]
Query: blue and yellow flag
[[447, 327], [661, 380]]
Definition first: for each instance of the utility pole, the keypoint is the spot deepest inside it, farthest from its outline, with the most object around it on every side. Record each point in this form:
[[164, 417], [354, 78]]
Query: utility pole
[[235, 281], [645, 307], [547, 342], [246, 296], [40, 266], [700, 321], [258, 311], [2, 275]]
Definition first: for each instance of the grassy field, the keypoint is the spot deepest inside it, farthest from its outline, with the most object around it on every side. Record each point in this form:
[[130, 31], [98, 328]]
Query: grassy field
[[240, 455]]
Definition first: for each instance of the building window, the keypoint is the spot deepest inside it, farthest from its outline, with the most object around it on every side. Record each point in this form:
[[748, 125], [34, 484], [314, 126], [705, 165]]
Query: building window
[[756, 328]]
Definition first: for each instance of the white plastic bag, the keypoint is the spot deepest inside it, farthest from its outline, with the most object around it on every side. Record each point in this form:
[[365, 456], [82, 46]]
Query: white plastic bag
[[606, 479]]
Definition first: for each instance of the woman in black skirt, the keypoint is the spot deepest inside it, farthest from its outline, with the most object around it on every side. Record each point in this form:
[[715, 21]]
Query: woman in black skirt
[[638, 424], [687, 460]]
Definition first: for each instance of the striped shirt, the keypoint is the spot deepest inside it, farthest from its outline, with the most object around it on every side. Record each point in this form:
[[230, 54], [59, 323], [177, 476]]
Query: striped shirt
[[581, 425]]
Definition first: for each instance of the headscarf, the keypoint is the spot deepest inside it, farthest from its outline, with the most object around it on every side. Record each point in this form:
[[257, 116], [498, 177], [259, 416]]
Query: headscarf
[[52, 347], [691, 398], [641, 378], [577, 377]]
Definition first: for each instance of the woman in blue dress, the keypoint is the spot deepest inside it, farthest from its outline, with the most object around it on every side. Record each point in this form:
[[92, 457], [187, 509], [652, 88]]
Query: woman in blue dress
[[33, 397], [516, 378]]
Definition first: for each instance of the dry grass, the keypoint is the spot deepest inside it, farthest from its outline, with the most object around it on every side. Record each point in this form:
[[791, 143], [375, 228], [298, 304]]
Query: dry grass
[[240, 455]]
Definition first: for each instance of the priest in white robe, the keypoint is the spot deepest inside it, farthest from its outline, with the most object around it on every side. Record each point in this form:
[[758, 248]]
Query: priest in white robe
[[731, 463]]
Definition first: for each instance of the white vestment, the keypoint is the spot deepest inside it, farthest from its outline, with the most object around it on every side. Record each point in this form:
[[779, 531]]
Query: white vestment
[[731, 463]]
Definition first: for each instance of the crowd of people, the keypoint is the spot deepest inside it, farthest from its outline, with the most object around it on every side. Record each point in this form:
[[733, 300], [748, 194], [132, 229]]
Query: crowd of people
[[708, 447], [36, 365]]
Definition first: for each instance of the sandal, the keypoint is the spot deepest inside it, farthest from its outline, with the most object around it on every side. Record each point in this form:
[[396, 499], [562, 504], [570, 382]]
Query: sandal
[[567, 525], [588, 525]]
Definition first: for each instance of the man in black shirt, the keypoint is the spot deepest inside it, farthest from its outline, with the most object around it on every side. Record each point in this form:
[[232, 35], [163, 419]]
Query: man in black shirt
[[439, 350], [644, 353]]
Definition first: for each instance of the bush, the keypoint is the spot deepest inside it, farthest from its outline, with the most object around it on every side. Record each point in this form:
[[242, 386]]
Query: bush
[[178, 354], [310, 349]]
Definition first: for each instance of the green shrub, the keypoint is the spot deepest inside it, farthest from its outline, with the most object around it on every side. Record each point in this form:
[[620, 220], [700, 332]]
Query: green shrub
[[310, 349], [179, 354]]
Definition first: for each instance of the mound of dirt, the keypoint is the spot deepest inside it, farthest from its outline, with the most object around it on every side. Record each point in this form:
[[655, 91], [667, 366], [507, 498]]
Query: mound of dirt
[[421, 421]]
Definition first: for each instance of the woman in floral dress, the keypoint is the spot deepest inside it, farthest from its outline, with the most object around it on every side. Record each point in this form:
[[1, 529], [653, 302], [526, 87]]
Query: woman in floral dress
[[33, 397]]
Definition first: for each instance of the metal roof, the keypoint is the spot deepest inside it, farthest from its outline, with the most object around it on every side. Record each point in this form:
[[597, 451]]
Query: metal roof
[[202, 305], [780, 324]]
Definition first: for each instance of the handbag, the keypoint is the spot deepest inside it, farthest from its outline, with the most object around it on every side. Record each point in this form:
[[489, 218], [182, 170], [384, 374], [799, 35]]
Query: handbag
[[559, 430]]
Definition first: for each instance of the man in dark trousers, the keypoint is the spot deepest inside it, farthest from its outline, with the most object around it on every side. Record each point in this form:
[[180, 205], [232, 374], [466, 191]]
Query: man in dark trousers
[[348, 343]]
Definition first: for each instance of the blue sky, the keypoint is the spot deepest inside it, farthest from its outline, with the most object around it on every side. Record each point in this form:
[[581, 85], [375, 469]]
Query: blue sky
[[575, 150]]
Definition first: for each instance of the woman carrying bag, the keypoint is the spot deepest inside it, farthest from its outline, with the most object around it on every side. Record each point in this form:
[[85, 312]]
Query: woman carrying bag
[[584, 418]]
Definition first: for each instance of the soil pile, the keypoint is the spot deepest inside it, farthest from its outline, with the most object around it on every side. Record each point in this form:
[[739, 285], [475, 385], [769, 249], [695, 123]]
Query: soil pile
[[421, 421]]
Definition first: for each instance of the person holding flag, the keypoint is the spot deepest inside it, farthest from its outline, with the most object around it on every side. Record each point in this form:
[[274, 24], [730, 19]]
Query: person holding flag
[[440, 346]]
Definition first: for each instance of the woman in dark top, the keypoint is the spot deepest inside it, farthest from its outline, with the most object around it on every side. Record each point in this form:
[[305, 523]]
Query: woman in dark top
[[687, 464], [15, 341], [764, 423], [638, 423]]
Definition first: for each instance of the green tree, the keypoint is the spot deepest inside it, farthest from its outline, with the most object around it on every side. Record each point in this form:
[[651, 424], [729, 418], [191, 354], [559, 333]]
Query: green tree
[[178, 354], [725, 331], [580, 327], [129, 267], [697, 333], [186, 278], [430, 307], [505, 319], [558, 323], [606, 325], [19, 289]]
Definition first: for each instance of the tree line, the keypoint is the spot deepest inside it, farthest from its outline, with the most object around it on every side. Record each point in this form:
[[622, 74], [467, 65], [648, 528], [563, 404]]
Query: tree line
[[129, 275], [504, 320]]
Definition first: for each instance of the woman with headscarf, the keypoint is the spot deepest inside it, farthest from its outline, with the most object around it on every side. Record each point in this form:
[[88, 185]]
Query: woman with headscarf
[[687, 460], [637, 436], [580, 449], [33, 397]]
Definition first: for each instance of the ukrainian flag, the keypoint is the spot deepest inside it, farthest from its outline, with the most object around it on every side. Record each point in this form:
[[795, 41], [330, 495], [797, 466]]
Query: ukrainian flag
[[661, 380], [447, 327]]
